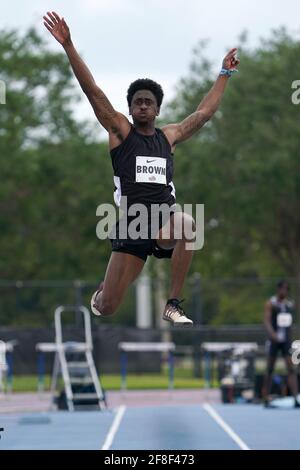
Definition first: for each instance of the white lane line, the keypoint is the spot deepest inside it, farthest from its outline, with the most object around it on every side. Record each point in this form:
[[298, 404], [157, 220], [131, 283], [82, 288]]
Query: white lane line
[[114, 428], [212, 412]]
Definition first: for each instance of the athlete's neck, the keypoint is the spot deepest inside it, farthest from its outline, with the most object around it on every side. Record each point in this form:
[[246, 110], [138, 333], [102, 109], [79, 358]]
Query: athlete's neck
[[145, 129], [281, 299]]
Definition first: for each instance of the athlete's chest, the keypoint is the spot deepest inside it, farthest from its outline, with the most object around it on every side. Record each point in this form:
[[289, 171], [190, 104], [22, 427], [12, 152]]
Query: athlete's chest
[[147, 162], [150, 169]]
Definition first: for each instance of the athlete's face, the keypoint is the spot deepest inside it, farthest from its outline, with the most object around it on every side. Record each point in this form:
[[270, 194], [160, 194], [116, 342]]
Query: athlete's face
[[283, 291], [143, 107]]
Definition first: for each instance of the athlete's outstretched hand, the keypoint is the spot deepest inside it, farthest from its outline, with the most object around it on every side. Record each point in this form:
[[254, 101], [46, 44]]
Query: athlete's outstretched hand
[[57, 27], [231, 62]]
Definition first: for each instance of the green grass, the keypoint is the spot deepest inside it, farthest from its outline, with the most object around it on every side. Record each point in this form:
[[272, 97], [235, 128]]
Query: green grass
[[183, 380]]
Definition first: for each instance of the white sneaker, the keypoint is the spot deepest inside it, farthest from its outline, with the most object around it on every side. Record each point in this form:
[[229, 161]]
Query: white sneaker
[[94, 305], [174, 313]]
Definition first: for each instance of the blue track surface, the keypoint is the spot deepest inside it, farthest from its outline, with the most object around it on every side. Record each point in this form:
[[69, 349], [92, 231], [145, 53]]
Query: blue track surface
[[156, 428]]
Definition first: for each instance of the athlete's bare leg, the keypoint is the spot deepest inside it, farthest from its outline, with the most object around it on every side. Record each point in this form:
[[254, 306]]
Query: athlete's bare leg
[[121, 271], [181, 257], [176, 233], [268, 378], [292, 376]]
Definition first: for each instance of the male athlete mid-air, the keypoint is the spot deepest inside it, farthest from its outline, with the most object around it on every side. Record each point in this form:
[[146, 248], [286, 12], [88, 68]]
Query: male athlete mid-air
[[142, 159]]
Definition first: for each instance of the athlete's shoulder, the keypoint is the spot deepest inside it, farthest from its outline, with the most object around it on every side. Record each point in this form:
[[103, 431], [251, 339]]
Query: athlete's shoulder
[[115, 149], [166, 137], [290, 303]]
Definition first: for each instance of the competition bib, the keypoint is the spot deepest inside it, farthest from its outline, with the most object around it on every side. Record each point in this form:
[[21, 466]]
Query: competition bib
[[151, 170], [284, 320]]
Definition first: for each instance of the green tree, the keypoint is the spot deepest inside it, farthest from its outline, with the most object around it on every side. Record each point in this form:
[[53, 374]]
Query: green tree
[[244, 165], [53, 175]]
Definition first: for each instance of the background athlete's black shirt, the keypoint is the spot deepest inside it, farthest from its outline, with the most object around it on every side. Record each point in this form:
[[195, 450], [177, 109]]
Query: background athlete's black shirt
[[283, 307]]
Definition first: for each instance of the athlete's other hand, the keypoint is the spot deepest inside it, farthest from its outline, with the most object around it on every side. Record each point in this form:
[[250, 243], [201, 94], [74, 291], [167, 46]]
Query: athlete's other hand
[[231, 61], [57, 27]]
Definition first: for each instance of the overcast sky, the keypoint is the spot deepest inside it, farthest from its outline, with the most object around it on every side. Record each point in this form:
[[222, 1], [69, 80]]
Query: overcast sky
[[122, 40]]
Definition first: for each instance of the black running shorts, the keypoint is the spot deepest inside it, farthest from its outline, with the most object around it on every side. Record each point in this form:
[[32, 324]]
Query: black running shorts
[[141, 250], [273, 348]]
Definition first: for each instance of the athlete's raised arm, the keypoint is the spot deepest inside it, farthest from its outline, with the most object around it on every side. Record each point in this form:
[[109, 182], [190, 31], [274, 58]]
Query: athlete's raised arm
[[114, 122], [177, 133]]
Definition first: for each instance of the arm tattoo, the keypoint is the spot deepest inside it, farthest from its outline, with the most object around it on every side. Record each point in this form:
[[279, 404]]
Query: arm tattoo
[[100, 103], [102, 106], [190, 125]]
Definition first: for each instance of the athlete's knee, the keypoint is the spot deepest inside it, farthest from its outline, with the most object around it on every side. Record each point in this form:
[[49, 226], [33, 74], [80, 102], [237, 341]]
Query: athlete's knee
[[189, 221], [186, 224], [186, 219], [290, 369], [107, 307], [289, 365]]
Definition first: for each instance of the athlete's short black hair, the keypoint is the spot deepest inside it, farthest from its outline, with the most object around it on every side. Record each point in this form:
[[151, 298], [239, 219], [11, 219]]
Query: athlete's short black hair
[[145, 84], [282, 283]]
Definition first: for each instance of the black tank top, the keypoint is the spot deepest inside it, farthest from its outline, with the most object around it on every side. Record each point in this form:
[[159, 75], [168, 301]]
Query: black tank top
[[143, 169], [282, 317]]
